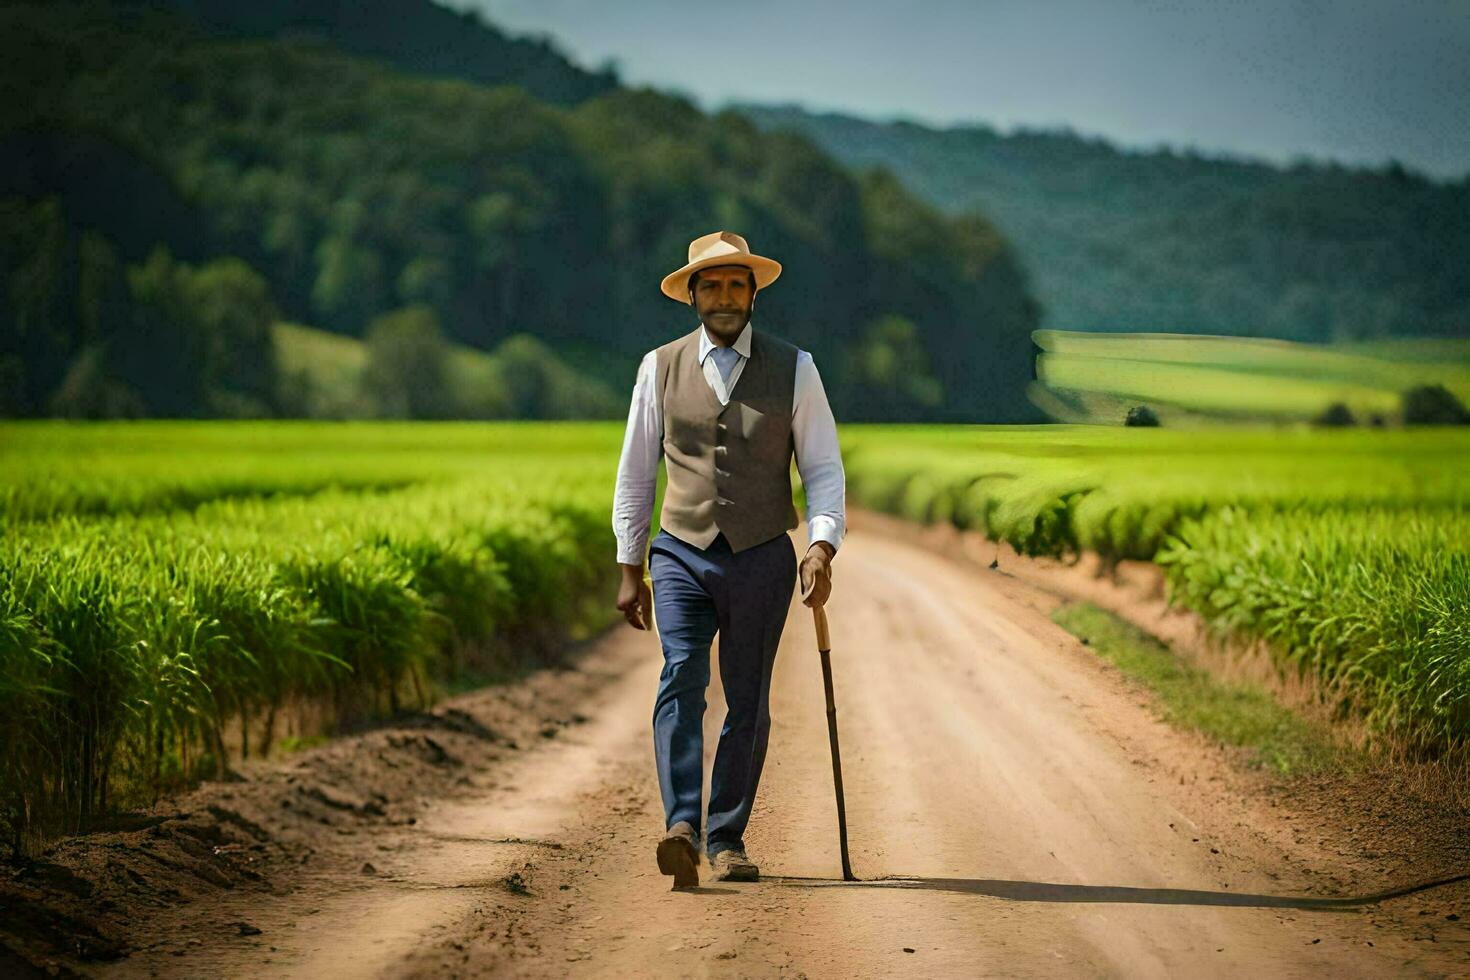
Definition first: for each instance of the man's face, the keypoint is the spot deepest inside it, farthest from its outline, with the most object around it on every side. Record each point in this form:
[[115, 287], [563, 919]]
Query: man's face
[[724, 296]]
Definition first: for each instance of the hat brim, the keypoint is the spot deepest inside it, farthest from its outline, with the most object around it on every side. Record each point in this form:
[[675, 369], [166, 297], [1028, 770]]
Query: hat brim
[[676, 284]]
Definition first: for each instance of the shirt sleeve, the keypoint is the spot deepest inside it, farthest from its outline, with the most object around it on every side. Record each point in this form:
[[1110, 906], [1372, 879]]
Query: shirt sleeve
[[818, 457], [637, 482]]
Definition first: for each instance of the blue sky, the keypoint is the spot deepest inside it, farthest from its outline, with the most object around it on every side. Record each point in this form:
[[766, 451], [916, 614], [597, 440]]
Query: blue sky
[[1359, 81]]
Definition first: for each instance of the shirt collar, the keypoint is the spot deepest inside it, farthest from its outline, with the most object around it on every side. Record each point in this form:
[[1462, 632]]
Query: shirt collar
[[742, 342]]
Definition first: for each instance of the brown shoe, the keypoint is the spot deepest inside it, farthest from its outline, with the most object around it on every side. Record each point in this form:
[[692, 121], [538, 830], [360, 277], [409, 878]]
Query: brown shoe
[[678, 855], [731, 864]]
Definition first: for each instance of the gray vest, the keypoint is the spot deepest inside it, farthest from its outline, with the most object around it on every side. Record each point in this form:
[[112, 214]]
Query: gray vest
[[729, 466]]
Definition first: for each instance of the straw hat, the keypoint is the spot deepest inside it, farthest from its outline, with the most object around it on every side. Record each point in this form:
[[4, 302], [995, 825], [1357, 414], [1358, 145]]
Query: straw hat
[[719, 248]]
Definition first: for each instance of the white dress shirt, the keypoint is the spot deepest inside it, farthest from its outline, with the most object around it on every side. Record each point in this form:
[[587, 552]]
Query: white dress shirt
[[813, 430]]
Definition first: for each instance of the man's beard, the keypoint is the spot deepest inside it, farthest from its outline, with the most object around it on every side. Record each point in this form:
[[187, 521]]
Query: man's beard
[[718, 326]]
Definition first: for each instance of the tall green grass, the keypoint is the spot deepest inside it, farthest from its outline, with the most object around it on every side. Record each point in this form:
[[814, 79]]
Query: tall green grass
[[1375, 602], [133, 637], [1345, 550]]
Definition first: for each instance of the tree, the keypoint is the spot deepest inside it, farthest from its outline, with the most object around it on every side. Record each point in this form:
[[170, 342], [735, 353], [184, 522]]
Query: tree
[[159, 354], [349, 284], [1336, 414], [888, 374], [199, 342], [1141, 415], [541, 386], [42, 266], [407, 372], [231, 305], [1433, 405], [89, 391]]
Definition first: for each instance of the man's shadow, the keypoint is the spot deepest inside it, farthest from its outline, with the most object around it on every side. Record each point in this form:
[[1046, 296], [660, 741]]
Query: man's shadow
[[1044, 891]]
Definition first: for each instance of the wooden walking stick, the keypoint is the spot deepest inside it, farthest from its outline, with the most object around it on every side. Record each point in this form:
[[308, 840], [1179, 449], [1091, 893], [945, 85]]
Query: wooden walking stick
[[824, 646]]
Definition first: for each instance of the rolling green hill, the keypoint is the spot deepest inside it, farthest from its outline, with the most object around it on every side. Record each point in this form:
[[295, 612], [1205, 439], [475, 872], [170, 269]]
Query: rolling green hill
[[1118, 240], [353, 188], [1095, 377]]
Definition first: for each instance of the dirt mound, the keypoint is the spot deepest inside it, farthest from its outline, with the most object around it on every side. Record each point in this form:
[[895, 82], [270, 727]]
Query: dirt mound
[[90, 898]]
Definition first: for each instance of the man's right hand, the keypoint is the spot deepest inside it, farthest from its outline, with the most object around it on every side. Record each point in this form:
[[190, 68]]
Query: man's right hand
[[635, 598]]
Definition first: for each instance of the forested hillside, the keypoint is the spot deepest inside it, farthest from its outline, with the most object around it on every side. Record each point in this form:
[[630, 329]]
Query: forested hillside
[[340, 190], [1164, 241], [418, 36]]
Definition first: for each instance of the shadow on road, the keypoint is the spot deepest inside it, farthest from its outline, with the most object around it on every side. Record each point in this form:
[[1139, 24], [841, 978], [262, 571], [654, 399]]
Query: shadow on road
[[1045, 891]]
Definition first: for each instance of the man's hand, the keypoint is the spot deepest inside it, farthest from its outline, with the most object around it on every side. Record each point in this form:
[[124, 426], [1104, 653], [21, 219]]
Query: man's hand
[[635, 598], [816, 574]]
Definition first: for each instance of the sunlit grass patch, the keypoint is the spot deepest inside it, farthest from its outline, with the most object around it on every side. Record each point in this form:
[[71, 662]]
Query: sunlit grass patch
[[1237, 714]]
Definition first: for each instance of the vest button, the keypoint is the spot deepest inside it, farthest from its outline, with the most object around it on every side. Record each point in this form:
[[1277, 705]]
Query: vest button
[[721, 501], [720, 472], [721, 450], [720, 426]]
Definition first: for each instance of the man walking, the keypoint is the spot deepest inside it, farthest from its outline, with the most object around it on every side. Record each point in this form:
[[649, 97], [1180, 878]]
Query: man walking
[[727, 407]]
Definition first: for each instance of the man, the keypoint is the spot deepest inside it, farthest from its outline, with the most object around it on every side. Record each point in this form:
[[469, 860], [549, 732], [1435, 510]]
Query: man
[[726, 407]]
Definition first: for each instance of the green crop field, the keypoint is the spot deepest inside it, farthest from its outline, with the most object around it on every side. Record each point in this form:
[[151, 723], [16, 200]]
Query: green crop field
[[174, 595], [1347, 550]]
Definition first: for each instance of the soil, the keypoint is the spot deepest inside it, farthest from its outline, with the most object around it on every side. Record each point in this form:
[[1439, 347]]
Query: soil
[[1014, 806]]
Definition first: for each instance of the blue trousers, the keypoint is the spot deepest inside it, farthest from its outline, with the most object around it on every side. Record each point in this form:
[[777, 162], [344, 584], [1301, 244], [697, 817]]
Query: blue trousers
[[745, 597]]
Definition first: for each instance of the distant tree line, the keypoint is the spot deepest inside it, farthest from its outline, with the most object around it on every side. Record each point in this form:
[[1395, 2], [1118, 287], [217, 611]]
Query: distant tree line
[[90, 335], [1432, 404]]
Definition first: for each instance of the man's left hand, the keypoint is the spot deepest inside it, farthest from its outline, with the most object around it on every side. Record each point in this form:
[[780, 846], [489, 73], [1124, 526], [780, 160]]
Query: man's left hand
[[816, 574]]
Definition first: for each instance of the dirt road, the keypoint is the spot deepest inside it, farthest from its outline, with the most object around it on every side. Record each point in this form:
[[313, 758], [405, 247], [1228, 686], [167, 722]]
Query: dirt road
[[1015, 809]]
